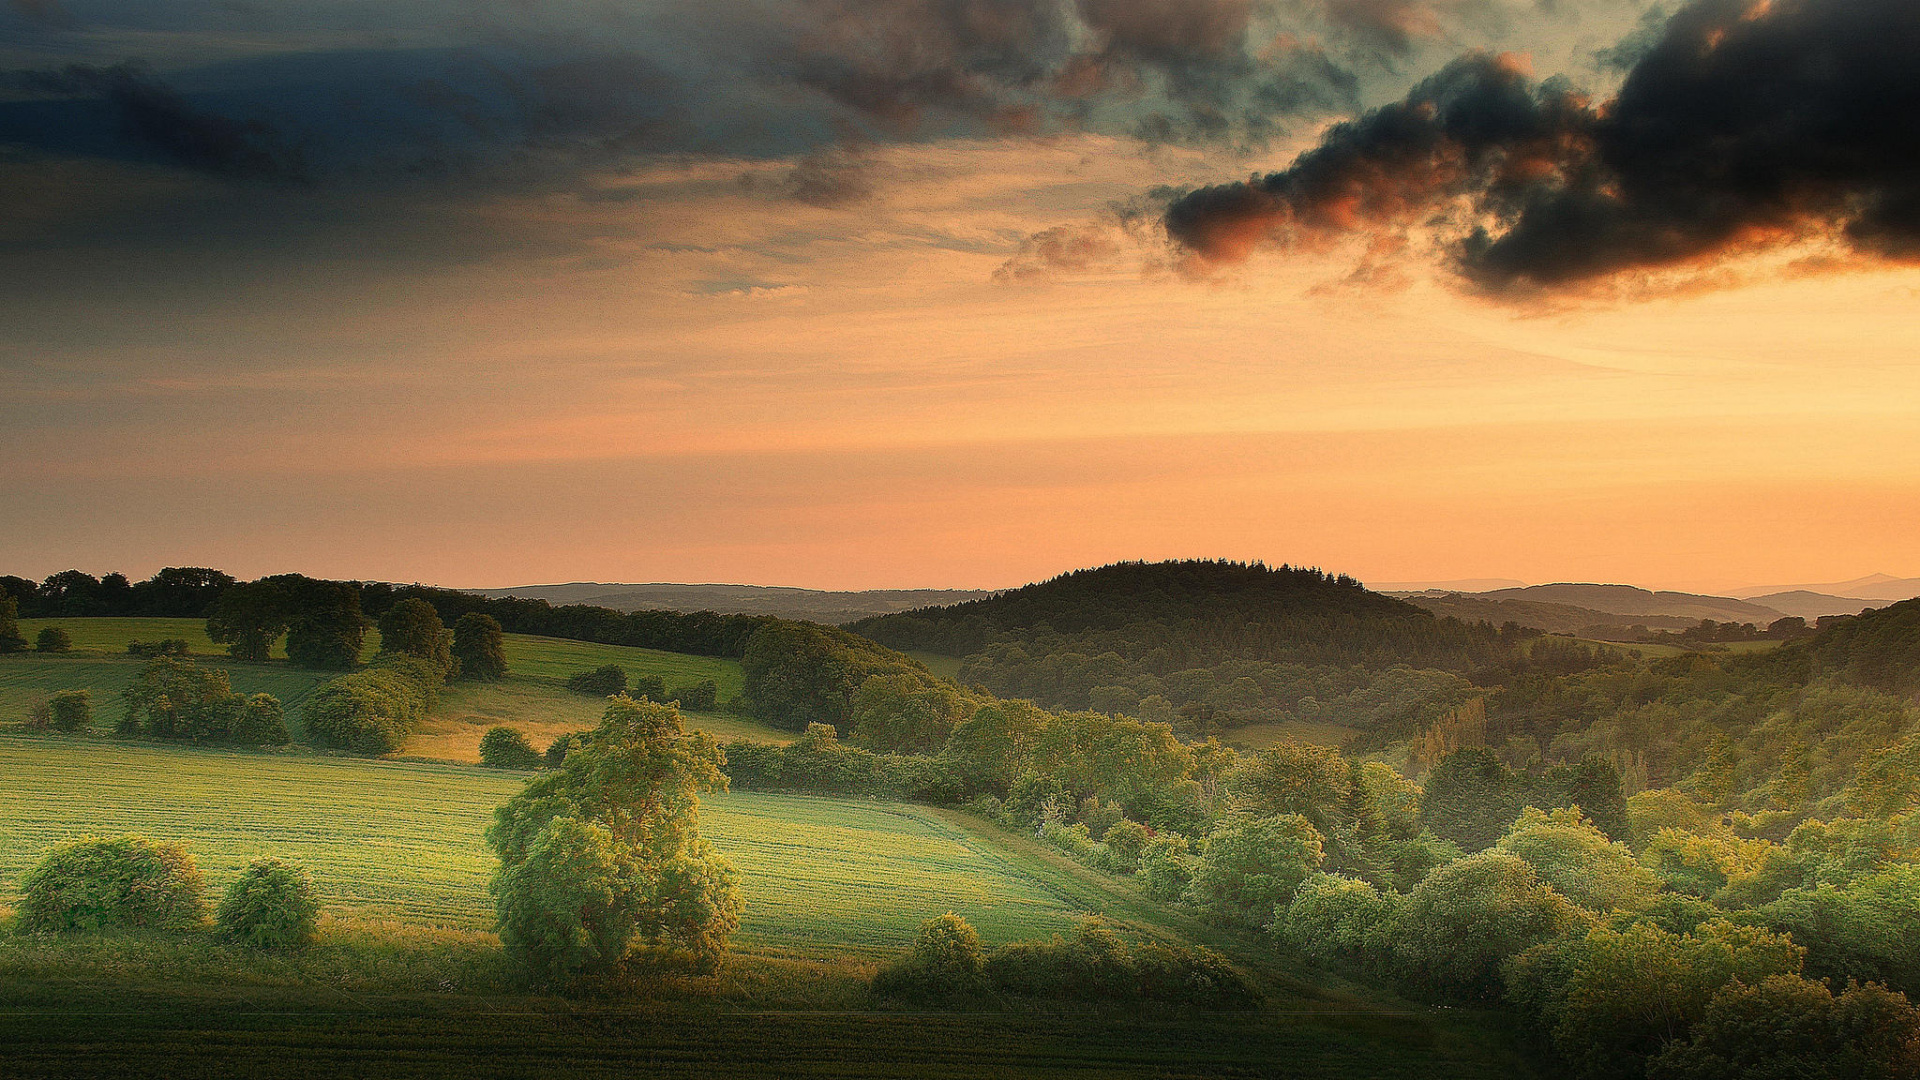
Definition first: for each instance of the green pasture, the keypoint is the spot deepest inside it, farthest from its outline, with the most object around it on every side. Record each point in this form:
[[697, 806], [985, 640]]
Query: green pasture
[[402, 840], [531, 698]]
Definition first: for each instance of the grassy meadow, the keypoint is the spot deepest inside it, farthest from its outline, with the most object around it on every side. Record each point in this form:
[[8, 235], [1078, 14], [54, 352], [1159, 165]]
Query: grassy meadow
[[532, 697], [406, 980], [402, 840]]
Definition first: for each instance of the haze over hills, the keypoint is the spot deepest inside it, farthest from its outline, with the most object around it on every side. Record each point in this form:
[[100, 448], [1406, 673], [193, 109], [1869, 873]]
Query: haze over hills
[[1871, 587], [814, 605]]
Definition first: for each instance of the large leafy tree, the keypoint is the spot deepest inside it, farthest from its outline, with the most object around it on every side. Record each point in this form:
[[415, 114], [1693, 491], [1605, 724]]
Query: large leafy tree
[[479, 647], [250, 617], [11, 640], [601, 860], [411, 627], [327, 627]]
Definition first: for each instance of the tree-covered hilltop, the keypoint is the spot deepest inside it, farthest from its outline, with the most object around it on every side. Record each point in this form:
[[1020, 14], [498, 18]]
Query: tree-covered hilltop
[[1217, 643]]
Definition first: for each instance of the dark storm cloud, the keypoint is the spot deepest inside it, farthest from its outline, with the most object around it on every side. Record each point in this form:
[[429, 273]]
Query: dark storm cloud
[[1745, 125], [151, 116]]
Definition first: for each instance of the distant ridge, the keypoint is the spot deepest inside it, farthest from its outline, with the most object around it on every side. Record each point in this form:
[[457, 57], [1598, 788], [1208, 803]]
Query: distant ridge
[[1633, 600], [1872, 587], [784, 602]]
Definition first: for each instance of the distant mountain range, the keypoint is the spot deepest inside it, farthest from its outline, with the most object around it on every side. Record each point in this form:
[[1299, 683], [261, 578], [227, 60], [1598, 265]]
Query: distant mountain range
[[814, 605], [1871, 587]]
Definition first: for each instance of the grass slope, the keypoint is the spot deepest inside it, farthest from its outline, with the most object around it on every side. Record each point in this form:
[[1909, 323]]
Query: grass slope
[[403, 840], [830, 886]]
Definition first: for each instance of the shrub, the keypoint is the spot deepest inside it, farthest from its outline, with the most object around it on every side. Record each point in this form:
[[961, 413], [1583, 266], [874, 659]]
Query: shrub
[[1247, 868], [479, 648], [1459, 924], [1098, 964], [372, 711], [272, 906], [178, 699], [559, 748], [163, 647], [1333, 917], [70, 710], [1125, 841], [506, 748], [945, 964], [1166, 866], [261, 722], [600, 682], [53, 639], [703, 695], [94, 884], [651, 687], [1787, 1026]]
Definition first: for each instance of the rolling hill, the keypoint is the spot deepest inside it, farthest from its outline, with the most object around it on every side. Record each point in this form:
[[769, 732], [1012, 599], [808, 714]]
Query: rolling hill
[[812, 605]]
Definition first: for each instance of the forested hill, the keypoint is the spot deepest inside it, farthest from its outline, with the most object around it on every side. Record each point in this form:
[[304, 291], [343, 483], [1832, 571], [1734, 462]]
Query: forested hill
[[1197, 607], [1219, 644]]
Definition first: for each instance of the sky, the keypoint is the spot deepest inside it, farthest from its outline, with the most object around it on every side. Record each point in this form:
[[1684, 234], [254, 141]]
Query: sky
[[960, 293]]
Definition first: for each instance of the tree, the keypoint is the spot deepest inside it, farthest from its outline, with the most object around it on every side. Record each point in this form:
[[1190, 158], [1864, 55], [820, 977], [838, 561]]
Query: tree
[[506, 748], [1579, 862], [178, 699], [248, 618], [800, 673], [271, 906], [604, 681], [703, 696], [1471, 798], [1466, 917], [10, 639], [1785, 1027], [411, 627], [95, 884], [479, 648], [601, 860], [261, 722], [1249, 867], [70, 710], [53, 639], [326, 627]]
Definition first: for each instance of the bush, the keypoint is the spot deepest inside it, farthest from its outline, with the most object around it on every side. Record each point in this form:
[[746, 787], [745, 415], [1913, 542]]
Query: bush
[[506, 748], [651, 687], [946, 964], [372, 711], [178, 699], [1247, 868], [559, 748], [53, 639], [1467, 917], [163, 647], [261, 722], [1334, 917], [703, 695], [94, 884], [272, 906], [600, 682], [70, 711], [1125, 841], [411, 627], [1166, 866], [1096, 964]]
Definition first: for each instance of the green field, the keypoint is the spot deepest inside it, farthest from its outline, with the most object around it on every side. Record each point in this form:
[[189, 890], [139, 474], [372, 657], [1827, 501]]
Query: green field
[[403, 840], [531, 698], [406, 981]]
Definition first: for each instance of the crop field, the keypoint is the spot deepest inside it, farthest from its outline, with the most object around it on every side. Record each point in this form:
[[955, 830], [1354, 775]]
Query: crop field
[[29, 677], [403, 840]]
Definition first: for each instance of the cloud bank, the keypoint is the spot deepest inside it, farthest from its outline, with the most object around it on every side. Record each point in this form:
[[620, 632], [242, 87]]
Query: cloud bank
[[1746, 125]]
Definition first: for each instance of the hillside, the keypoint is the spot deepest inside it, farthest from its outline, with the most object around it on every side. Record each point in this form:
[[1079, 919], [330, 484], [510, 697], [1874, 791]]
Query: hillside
[[781, 602], [1631, 600], [1209, 646]]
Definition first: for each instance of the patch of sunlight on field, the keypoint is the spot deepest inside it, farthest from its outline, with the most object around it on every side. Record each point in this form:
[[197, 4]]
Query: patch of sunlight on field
[[1261, 736], [403, 840], [554, 658], [541, 712]]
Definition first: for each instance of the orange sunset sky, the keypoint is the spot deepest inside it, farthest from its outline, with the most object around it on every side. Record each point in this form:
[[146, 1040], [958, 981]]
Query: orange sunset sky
[[741, 321]]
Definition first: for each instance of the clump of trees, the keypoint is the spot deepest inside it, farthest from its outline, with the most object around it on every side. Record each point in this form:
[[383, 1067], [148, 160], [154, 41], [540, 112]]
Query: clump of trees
[[801, 673], [163, 647], [703, 696], [506, 748], [95, 884], [66, 711], [602, 865], [948, 965], [323, 621], [11, 640], [53, 639], [271, 906], [411, 627], [604, 681], [479, 648], [372, 711], [178, 699]]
